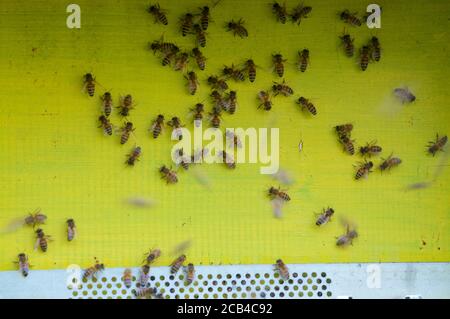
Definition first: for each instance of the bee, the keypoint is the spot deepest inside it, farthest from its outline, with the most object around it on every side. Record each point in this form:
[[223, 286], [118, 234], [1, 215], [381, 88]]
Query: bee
[[71, 229], [278, 63], [376, 49], [145, 292], [237, 28], [347, 143], [157, 126], [105, 124], [347, 42], [264, 98], [127, 278], [199, 58], [404, 95], [231, 102], [233, 139], [167, 58], [186, 23], [162, 46], [303, 60], [363, 169], [217, 84], [201, 35], [182, 159], [190, 274], [364, 57], [325, 216], [176, 264], [218, 100], [89, 84], [276, 192], [134, 156], [169, 174], [24, 266], [41, 240], [370, 149], [107, 103], [215, 117], [438, 145], [280, 12], [158, 14], [228, 159], [92, 271], [176, 124], [306, 104], [152, 255], [347, 238], [299, 13], [192, 82], [282, 88], [282, 269], [181, 61], [344, 129], [126, 104], [198, 113], [389, 163], [350, 18], [234, 73], [126, 130], [250, 66], [144, 275], [36, 218], [204, 18]]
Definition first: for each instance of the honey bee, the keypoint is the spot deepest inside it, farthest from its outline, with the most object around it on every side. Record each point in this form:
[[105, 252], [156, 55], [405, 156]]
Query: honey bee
[[303, 60], [199, 58], [36, 218], [347, 143], [264, 98], [169, 174], [126, 104], [145, 292], [190, 274], [280, 12], [234, 73], [237, 28], [218, 100], [89, 84], [282, 269], [134, 156], [186, 23], [217, 84], [192, 82], [201, 35], [437, 145], [276, 192], [126, 130], [325, 216], [176, 264], [389, 163], [347, 42], [299, 13], [92, 271], [105, 124], [306, 104], [24, 266], [163, 47], [350, 18], [144, 276], [364, 57], [181, 61], [231, 102], [176, 124], [41, 240], [167, 58], [198, 113], [344, 129], [182, 159], [107, 103], [227, 159], [158, 14], [404, 95], [278, 63], [363, 169], [250, 66], [215, 117], [152, 255], [127, 278], [233, 139], [370, 149], [71, 229], [347, 238], [204, 18], [282, 88], [157, 126], [376, 49]]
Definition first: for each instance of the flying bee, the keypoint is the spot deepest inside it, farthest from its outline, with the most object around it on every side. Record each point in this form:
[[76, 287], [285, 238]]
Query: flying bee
[[217, 84], [280, 12], [237, 28], [363, 169], [233, 139], [303, 60], [89, 84], [145, 292], [264, 98], [152, 255], [215, 117], [282, 269], [344, 129], [36, 218], [126, 131], [350, 18], [389, 163], [105, 124], [347, 143], [234, 73], [183, 161], [376, 49], [127, 278], [227, 159], [250, 66], [176, 264], [92, 271], [190, 274], [325, 216], [186, 23], [41, 240], [347, 238], [347, 42], [157, 126], [218, 100], [364, 57], [199, 58], [134, 156], [282, 88], [276, 192], [144, 276], [24, 266], [158, 14], [107, 103], [181, 61], [299, 13], [126, 104], [370, 149], [198, 113], [71, 229], [200, 34], [306, 104], [231, 102], [176, 124], [204, 18], [278, 63], [437, 145], [168, 174], [404, 95], [192, 82]]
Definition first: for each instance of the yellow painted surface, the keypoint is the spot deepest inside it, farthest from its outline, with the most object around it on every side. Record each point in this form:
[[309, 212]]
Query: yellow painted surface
[[53, 155]]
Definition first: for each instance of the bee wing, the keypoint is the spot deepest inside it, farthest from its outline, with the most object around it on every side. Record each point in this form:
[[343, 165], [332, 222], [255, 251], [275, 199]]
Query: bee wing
[[36, 244], [13, 225], [277, 205]]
